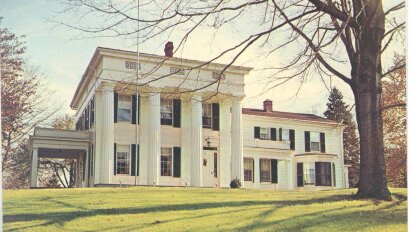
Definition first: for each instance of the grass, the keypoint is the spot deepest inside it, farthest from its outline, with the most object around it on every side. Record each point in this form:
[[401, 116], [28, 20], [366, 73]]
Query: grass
[[196, 209]]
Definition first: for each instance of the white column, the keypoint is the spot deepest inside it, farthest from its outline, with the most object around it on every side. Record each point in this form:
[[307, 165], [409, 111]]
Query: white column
[[225, 143], [196, 140], [236, 141], [107, 146], [257, 173], [154, 138], [186, 141], [144, 141], [97, 151], [290, 174], [33, 177]]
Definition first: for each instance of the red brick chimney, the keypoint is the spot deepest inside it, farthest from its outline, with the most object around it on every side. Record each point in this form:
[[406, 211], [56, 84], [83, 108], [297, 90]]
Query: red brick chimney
[[169, 49], [268, 105]]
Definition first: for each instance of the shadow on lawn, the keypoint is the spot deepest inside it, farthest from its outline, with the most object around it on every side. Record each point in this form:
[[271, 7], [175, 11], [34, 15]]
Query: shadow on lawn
[[60, 218]]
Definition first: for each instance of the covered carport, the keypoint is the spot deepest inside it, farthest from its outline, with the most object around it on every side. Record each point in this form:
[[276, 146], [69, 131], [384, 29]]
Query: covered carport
[[61, 144]]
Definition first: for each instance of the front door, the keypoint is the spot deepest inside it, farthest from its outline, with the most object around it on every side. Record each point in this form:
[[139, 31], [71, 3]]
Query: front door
[[210, 169]]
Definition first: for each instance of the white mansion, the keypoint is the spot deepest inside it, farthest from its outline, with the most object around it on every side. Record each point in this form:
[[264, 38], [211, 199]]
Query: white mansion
[[181, 124]]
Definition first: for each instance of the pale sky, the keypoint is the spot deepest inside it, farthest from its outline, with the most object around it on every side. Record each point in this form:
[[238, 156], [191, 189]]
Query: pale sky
[[64, 59]]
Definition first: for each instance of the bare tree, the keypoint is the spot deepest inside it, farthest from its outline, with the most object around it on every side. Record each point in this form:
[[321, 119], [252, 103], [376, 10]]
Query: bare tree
[[24, 103], [318, 32]]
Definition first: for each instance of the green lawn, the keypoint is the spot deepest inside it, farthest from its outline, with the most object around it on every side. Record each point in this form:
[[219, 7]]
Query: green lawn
[[195, 209]]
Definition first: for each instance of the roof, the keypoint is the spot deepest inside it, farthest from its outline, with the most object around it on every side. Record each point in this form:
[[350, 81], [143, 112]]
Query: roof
[[173, 58], [99, 50], [288, 115]]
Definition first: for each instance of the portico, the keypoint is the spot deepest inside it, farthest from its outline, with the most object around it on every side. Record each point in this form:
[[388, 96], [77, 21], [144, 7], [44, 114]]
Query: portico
[[61, 144]]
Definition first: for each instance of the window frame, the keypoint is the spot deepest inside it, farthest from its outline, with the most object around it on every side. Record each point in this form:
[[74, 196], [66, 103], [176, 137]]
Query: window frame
[[285, 137], [316, 135], [129, 157], [251, 160], [327, 174], [210, 117], [261, 170], [170, 164], [118, 119], [309, 176], [269, 133], [171, 113]]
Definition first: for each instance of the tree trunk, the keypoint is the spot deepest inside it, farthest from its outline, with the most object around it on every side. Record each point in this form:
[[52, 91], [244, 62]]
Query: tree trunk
[[367, 90]]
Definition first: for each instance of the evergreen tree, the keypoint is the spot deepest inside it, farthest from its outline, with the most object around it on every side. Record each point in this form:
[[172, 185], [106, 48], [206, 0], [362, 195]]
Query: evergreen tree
[[338, 110]]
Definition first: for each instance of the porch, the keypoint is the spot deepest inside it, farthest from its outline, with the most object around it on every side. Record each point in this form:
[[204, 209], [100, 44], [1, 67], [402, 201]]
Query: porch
[[61, 144]]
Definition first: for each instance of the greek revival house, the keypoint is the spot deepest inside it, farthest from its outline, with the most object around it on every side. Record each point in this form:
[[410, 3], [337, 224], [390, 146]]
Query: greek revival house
[[181, 124]]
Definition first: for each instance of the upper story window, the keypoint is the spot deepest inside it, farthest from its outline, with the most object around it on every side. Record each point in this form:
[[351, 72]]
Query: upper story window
[[218, 75], [122, 159], [166, 111], [207, 115], [124, 113], [265, 133], [166, 161], [285, 134], [177, 71], [315, 141]]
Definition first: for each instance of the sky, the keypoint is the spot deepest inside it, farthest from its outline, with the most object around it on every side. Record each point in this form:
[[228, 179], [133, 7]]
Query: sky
[[62, 57]]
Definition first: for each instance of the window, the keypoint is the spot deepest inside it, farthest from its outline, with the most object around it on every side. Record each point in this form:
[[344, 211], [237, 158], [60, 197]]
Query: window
[[122, 159], [124, 108], [315, 141], [285, 135], [323, 173], [166, 111], [166, 161], [265, 172], [207, 115], [177, 71], [265, 133], [248, 169], [309, 173], [218, 75]]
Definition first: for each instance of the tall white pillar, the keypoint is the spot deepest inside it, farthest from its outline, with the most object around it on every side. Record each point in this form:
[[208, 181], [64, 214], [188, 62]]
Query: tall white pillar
[[225, 143], [154, 138], [186, 140], [257, 174], [97, 151], [144, 140], [107, 146], [236, 141], [33, 177], [196, 140]]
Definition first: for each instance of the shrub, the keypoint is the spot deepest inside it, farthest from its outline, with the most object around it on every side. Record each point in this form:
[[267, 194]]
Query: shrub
[[235, 183]]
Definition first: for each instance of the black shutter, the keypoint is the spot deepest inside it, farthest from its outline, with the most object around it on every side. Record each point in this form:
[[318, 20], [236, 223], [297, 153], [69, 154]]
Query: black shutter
[[137, 159], [300, 178], [260, 172], [307, 140], [133, 160], [215, 116], [139, 109], [134, 106], [177, 162], [318, 181], [274, 171], [280, 135], [256, 132], [292, 139], [92, 111], [323, 142], [115, 107], [273, 134], [253, 171], [177, 113], [114, 161]]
